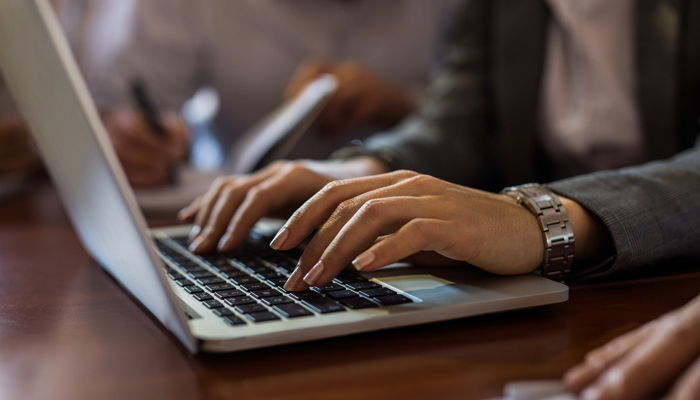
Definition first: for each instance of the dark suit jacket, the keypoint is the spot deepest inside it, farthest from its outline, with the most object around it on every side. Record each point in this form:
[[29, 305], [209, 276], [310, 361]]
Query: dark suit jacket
[[479, 124]]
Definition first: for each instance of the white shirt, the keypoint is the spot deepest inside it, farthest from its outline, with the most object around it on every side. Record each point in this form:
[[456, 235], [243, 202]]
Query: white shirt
[[590, 118], [247, 50]]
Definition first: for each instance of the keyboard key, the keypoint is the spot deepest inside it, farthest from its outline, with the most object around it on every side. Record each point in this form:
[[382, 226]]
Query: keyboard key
[[233, 320], [321, 304], [302, 294], [269, 273], [198, 274], [183, 282], [275, 300], [262, 316], [279, 281], [244, 279], [212, 304], [330, 287], [225, 294], [210, 280], [357, 303], [222, 312], [265, 293], [237, 301], [216, 287], [349, 277], [255, 286], [381, 291], [363, 285], [250, 308], [392, 299], [191, 289], [232, 272], [292, 310], [202, 296], [341, 294]]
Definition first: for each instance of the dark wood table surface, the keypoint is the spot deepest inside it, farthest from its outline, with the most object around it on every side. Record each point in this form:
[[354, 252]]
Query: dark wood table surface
[[68, 331]]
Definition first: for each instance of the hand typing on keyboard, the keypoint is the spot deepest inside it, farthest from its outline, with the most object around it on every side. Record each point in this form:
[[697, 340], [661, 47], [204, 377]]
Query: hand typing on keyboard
[[378, 220], [224, 215]]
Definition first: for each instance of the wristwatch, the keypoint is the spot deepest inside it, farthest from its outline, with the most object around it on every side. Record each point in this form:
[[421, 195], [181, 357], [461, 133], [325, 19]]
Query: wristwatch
[[556, 229]]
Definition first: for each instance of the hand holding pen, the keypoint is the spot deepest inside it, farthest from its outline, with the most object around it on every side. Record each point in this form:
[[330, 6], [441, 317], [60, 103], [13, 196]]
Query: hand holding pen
[[149, 143]]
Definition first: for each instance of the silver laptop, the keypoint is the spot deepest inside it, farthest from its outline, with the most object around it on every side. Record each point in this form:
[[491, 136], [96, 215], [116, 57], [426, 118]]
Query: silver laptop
[[221, 302]]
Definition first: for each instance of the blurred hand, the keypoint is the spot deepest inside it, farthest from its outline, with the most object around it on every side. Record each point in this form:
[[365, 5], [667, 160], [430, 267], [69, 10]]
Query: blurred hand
[[225, 214], [361, 97], [663, 354], [147, 158], [17, 153], [378, 220]]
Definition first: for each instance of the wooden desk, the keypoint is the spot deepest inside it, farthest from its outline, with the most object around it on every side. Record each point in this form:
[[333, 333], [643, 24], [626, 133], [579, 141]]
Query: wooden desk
[[67, 331]]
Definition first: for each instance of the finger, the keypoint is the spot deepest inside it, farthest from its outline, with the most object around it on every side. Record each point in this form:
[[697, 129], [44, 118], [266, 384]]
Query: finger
[[601, 358], [651, 365], [318, 209], [417, 235], [292, 185], [230, 197], [188, 212], [207, 204], [688, 385], [376, 217]]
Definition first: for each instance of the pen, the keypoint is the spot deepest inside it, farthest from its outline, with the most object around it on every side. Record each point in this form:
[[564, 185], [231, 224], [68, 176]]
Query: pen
[[147, 107], [150, 114]]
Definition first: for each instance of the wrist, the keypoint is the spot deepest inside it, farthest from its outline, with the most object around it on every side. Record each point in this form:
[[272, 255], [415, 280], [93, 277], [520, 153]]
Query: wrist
[[592, 237]]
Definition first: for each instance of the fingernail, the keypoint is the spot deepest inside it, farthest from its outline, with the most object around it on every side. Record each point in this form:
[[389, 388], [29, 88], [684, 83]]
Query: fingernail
[[363, 260], [314, 274], [222, 245], [590, 394], [195, 231], [279, 239], [196, 244], [293, 279]]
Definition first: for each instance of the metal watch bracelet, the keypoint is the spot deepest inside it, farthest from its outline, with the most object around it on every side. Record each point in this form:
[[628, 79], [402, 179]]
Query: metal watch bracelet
[[556, 229]]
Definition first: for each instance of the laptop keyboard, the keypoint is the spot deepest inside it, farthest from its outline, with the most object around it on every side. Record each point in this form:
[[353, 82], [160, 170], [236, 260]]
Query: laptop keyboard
[[246, 285]]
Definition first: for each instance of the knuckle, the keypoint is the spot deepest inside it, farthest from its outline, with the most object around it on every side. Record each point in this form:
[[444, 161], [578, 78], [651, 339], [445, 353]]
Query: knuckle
[[422, 228], [331, 188], [373, 207], [404, 173], [220, 182], [345, 209]]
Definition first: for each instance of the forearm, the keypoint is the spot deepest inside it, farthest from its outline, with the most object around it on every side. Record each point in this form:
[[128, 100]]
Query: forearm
[[651, 213]]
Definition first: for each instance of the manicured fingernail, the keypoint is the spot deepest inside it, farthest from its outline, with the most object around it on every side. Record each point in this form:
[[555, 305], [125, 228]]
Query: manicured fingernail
[[279, 239], [314, 274], [293, 280], [196, 244], [195, 231], [590, 394], [223, 243], [363, 260]]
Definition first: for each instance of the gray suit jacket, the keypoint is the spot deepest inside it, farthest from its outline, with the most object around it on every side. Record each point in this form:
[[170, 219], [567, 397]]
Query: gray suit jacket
[[478, 125]]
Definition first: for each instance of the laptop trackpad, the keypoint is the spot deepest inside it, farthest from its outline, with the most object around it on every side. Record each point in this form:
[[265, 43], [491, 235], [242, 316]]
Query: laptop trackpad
[[414, 283]]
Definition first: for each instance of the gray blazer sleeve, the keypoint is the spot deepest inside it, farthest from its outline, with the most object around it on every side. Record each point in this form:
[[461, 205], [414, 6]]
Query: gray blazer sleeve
[[445, 138], [652, 212]]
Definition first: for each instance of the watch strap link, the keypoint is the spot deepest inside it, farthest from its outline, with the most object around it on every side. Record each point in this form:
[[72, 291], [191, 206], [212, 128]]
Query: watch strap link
[[555, 225]]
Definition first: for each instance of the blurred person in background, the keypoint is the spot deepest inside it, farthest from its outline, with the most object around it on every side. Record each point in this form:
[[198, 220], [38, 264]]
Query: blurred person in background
[[94, 29], [256, 53]]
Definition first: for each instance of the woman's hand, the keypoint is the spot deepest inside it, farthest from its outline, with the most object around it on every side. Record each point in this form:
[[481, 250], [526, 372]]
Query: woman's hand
[[225, 214], [663, 354], [377, 220]]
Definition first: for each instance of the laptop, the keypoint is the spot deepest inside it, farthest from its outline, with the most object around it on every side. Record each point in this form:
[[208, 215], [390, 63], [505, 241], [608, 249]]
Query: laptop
[[219, 302]]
